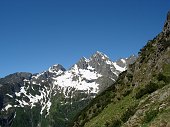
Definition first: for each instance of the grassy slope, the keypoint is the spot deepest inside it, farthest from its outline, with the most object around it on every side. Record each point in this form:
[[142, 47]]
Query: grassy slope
[[147, 113], [112, 112]]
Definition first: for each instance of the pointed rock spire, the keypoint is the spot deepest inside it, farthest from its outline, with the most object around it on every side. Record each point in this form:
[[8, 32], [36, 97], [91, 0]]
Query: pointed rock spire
[[83, 63]]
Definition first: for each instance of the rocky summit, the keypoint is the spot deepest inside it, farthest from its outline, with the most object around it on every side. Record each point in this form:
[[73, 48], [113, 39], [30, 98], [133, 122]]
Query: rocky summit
[[54, 97]]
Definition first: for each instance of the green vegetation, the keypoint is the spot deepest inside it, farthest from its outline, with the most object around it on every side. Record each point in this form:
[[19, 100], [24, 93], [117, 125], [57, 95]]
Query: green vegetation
[[30, 117], [150, 115], [114, 113], [166, 73], [96, 106], [157, 82]]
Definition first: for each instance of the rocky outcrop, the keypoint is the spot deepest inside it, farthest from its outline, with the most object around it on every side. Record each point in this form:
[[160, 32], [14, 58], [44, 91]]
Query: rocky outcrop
[[166, 28]]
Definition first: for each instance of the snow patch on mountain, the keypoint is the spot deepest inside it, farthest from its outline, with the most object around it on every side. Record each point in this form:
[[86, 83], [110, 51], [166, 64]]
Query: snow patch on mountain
[[8, 106], [121, 69], [80, 79], [9, 95], [43, 98]]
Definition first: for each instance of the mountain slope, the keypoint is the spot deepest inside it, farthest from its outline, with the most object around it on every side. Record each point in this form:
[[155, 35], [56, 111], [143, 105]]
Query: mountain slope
[[55, 96], [140, 96]]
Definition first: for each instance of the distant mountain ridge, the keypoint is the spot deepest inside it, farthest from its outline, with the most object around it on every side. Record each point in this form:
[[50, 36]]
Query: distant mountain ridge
[[54, 96]]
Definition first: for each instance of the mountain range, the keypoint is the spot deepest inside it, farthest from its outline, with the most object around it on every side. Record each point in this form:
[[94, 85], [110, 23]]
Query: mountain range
[[53, 97]]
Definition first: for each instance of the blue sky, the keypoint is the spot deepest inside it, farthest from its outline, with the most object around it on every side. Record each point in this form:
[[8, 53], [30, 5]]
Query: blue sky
[[35, 34]]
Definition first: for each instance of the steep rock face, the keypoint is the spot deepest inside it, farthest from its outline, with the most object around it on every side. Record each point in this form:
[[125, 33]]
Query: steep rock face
[[140, 96], [54, 96], [166, 28]]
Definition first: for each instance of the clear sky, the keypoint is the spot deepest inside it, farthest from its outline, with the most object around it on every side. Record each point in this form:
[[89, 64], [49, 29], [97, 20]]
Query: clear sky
[[35, 34]]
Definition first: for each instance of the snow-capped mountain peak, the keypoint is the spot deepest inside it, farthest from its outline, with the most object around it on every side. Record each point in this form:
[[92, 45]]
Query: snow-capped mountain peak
[[98, 56], [57, 68]]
